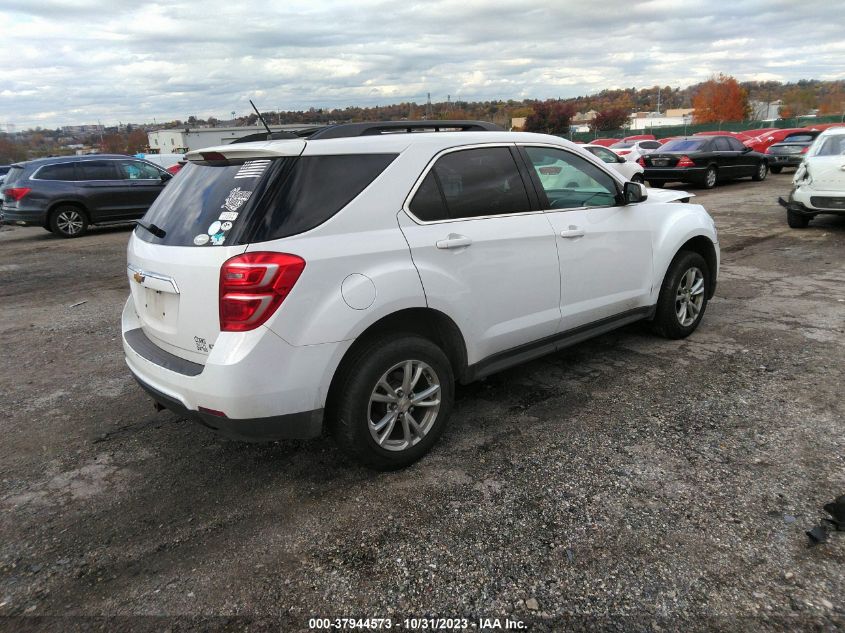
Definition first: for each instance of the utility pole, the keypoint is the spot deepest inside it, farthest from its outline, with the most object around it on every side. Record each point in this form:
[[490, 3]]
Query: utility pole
[[428, 107]]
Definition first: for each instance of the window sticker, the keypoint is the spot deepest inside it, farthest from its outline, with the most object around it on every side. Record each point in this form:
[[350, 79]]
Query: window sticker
[[236, 199], [252, 169], [201, 239], [218, 239], [214, 228], [228, 216], [225, 226]]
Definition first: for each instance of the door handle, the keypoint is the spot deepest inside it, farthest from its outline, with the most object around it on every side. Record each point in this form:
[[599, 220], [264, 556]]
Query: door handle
[[454, 241], [573, 231]]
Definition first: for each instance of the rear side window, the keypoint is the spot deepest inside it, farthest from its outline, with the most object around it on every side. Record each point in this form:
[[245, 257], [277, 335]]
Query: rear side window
[[311, 190], [735, 145], [473, 183], [650, 145], [63, 171], [721, 144], [99, 170]]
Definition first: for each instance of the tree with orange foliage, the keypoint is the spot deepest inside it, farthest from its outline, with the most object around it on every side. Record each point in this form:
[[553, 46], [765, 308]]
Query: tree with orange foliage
[[720, 99]]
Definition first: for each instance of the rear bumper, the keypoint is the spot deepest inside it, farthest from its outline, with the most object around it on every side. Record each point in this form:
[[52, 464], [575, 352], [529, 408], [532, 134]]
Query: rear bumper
[[303, 425], [786, 160], [22, 217], [265, 388], [688, 174]]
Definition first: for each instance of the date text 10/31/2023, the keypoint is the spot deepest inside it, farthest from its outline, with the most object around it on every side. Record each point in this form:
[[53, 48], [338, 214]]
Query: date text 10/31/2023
[[417, 624]]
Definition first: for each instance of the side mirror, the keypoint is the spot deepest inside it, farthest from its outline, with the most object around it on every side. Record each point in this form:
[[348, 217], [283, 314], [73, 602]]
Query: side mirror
[[634, 192], [165, 176], [746, 149], [620, 159]]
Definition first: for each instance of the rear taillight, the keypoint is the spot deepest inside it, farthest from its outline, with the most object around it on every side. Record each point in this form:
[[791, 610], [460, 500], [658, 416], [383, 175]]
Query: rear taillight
[[641, 161], [804, 150], [685, 162], [623, 152], [253, 286], [174, 169], [17, 193]]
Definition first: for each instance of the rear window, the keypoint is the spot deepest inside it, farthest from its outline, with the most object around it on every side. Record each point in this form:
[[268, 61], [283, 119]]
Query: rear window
[[799, 138], [623, 145], [684, 145], [13, 176], [257, 200]]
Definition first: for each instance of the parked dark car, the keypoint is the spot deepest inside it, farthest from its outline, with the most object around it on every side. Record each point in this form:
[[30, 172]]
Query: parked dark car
[[703, 160], [67, 194], [790, 151]]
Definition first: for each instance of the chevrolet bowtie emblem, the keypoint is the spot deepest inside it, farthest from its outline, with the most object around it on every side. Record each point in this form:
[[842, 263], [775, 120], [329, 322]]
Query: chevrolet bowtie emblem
[[138, 277]]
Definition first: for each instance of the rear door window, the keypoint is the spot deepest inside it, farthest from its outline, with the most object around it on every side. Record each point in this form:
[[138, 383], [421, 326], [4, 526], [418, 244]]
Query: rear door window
[[62, 171], [472, 183], [99, 170], [721, 145]]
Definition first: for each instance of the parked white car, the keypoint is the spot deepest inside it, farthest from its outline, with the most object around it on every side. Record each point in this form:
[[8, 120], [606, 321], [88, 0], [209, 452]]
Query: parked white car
[[628, 170], [632, 150], [349, 279], [819, 181]]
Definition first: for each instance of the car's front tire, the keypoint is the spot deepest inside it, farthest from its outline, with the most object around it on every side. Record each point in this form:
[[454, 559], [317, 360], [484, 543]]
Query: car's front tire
[[797, 220], [657, 184], [638, 178], [761, 173], [68, 221], [392, 400], [776, 169], [683, 296]]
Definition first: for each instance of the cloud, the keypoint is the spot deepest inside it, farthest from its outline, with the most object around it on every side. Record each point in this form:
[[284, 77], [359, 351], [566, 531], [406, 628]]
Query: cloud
[[66, 62]]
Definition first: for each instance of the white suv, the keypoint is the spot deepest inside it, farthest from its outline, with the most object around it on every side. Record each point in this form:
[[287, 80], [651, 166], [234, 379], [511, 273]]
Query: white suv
[[351, 277]]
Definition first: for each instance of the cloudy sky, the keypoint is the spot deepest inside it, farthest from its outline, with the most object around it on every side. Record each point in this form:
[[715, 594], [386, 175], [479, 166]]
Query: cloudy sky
[[79, 61]]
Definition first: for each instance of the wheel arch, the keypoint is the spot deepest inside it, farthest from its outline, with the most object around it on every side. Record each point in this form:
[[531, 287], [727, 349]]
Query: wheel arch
[[426, 322], [703, 246], [66, 203]]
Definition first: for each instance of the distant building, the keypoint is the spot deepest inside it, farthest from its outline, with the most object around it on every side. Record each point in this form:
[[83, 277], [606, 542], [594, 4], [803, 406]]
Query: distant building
[[765, 110], [181, 140], [518, 123], [648, 120]]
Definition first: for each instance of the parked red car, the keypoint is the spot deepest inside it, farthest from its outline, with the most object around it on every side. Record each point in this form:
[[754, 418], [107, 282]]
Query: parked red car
[[605, 142], [761, 142], [640, 137]]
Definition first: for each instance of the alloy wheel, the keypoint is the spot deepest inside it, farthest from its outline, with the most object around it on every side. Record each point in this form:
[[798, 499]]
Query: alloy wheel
[[69, 221], [710, 177], [404, 405], [689, 296]]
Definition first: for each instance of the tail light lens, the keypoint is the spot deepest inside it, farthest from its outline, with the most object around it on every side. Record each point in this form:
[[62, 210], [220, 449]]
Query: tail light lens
[[253, 286], [17, 193], [685, 162], [174, 169], [623, 152], [804, 150], [641, 161]]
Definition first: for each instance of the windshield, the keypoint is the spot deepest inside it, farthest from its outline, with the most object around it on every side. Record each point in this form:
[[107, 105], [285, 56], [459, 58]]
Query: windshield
[[684, 145], [830, 146], [623, 145]]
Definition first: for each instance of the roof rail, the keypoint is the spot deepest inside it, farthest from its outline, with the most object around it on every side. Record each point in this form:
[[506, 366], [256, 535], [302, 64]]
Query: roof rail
[[374, 128]]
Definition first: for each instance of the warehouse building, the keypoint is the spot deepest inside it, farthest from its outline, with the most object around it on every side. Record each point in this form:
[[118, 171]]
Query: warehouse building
[[181, 140]]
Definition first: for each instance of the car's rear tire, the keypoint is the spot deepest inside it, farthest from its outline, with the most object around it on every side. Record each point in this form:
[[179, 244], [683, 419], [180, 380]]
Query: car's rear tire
[[683, 296], [638, 178], [776, 169], [376, 420], [68, 221], [710, 178], [761, 173], [797, 220]]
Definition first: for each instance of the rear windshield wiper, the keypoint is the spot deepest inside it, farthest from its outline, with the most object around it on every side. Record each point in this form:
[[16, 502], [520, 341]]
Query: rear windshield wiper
[[152, 228]]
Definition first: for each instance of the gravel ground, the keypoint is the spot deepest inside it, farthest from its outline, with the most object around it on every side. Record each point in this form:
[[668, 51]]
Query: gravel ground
[[629, 483]]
